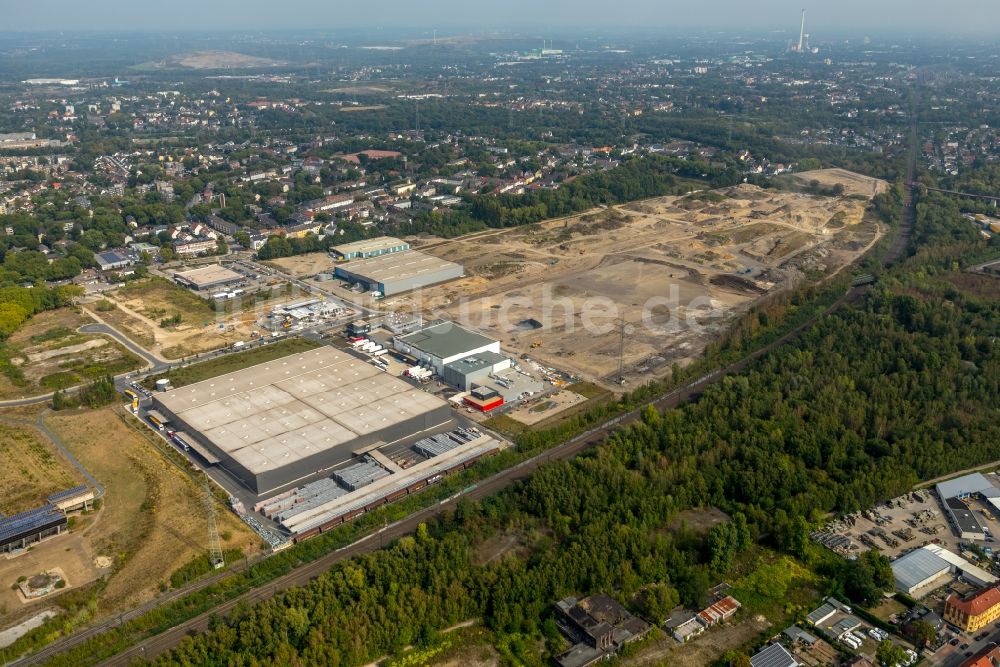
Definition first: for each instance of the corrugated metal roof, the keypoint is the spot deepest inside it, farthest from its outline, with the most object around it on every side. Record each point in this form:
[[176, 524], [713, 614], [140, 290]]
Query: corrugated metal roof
[[972, 573], [916, 567], [968, 485]]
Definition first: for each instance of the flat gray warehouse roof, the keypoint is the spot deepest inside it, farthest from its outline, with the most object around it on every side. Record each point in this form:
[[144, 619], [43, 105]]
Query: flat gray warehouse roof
[[272, 415], [967, 485], [397, 266], [369, 245], [916, 567], [481, 360], [445, 339], [214, 274]]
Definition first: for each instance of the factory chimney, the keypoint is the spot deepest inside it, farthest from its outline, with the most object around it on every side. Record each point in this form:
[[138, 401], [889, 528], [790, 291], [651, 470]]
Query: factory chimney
[[802, 33]]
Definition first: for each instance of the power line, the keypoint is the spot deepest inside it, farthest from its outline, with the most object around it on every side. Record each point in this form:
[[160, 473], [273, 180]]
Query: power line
[[215, 556]]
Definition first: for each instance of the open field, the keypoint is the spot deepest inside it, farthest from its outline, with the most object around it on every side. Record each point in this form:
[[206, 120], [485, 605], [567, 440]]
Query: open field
[[70, 553], [854, 184], [152, 520], [33, 469], [233, 362], [157, 298], [702, 651], [144, 310], [303, 266], [548, 406], [361, 89], [699, 520], [49, 354], [676, 270], [369, 107], [209, 60]]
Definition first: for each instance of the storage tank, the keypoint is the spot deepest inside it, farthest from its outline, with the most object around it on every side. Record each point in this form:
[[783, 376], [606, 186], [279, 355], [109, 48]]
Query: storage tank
[[163, 384]]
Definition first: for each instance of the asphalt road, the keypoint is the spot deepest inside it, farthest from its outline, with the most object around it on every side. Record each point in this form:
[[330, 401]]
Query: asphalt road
[[156, 365]]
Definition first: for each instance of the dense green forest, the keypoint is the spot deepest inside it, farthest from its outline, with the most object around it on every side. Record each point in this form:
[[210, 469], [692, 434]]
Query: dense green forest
[[900, 387]]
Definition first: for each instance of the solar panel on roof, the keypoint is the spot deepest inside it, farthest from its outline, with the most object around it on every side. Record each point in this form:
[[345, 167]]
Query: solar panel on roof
[[774, 655], [68, 493], [25, 523]]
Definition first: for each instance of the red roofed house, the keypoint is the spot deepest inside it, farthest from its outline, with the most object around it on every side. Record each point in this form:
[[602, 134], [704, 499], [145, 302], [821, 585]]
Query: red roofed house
[[988, 656], [719, 611], [975, 611], [371, 154]]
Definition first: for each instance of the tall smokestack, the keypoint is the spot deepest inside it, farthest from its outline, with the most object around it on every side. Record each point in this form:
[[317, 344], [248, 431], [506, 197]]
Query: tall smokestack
[[802, 32]]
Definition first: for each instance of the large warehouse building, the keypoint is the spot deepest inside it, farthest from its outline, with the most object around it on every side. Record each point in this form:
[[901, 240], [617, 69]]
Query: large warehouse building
[[931, 566], [383, 245], [209, 277], [953, 494], [21, 530], [466, 372], [441, 343], [277, 423], [398, 272], [920, 570]]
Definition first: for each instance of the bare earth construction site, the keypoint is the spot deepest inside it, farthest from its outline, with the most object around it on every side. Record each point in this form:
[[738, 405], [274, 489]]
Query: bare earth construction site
[[675, 269]]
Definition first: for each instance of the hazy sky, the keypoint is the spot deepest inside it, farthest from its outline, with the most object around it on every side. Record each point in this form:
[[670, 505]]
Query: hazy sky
[[529, 16]]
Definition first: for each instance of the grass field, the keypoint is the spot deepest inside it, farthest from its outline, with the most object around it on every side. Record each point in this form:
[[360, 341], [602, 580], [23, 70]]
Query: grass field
[[158, 299], [504, 424], [174, 323], [153, 519], [233, 362], [139, 332], [33, 469], [47, 354], [589, 390]]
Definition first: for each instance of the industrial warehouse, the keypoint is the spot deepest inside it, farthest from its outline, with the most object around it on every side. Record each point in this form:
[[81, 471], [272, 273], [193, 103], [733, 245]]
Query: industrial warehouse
[[956, 494], [20, 531], [382, 245], [375, 480], [922, 570], [440, 343], [397, 272], [214, 276], [278, 423]]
